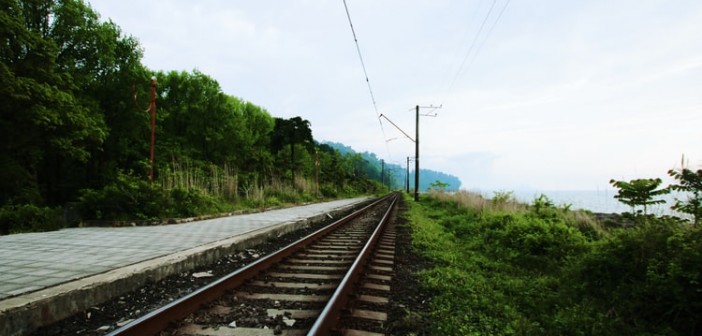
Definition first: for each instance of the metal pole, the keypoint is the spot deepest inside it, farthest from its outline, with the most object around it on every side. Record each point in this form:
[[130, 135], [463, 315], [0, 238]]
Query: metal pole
[[416, 158], [407, 176], [382, 172], [152, 107], [316, 169]]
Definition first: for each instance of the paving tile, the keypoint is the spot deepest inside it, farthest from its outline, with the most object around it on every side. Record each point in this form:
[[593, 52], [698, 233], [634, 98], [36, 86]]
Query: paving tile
[[35, 260]]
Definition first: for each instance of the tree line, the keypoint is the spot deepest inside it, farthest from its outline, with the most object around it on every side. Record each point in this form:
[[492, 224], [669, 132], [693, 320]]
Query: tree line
[[75, 135]]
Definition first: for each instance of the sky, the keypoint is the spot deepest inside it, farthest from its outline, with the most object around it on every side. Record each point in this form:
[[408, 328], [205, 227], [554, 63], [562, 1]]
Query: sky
[[534, 95]]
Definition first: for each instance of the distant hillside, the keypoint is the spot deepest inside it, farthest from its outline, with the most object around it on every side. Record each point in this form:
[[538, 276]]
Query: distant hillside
[[396, 175]]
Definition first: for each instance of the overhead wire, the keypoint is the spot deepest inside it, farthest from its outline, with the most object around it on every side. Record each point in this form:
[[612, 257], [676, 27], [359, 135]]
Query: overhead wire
[[365, 74], [472, 52], [470, 49], [489, 32]]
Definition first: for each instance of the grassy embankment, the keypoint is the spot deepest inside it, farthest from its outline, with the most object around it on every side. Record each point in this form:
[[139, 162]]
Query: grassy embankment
[[504, 268]]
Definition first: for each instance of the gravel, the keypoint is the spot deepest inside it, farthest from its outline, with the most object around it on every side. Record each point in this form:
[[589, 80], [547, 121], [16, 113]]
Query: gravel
[[409, 302]]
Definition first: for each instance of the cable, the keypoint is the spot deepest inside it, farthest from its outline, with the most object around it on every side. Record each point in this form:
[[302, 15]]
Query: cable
[[487, 36], [473, 45], [365, 74]]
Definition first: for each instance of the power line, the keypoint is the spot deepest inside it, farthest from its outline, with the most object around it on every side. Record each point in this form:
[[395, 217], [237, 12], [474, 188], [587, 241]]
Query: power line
[[473, 55], [365, 74], [472, 45], [477, 51]]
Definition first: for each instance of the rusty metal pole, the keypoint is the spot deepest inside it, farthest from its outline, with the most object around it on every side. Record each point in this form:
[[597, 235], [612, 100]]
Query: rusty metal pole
[[152, 107]]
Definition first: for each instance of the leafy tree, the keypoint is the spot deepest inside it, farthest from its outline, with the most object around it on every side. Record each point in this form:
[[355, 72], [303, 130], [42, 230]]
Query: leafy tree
[[44, 120], [103, 64], [639, 192], [438, 185], [198, 120], [291, 132], [690, 182], [254, 155]]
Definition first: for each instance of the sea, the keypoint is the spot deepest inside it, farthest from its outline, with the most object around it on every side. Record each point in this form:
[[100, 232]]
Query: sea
[[601, 201]]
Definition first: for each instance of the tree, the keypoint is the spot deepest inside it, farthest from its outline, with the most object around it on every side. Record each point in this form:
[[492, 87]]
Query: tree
[[254, 157], [690, 182], [438, 185], [198, 120], [45, 120], [639, 192], [291, 132]]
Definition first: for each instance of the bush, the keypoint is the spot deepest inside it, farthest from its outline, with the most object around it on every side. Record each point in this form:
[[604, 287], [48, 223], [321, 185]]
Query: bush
[[535, 273], [649, 277], [193, 202], [127, 198], [531, 243], [29, 218]]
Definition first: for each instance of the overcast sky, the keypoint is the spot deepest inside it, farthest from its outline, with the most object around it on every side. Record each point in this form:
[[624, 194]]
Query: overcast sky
[[551, 95]]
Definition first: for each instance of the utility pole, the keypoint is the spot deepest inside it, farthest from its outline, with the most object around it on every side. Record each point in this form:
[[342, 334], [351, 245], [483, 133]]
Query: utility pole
[[316, 170], [382, 171], [152, 110], [416, 157], [416, 149], [407, 175], [152, 107]]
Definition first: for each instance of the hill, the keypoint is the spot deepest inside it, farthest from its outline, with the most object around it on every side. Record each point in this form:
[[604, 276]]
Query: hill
[[396, 175]]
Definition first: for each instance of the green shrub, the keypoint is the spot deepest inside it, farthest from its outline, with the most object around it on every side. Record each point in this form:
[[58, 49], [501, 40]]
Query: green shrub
[[328, 190], [533, 272], [29, 218], [127, 198], [648, 276], [193, 202]]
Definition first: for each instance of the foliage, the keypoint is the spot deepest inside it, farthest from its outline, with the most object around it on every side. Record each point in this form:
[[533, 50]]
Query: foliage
[[646, 277], [438, 185], [530, 272], [72, 121], [293, 132], [639, 192], [689, 182], [124, 199], [129, 198], [29, 218]]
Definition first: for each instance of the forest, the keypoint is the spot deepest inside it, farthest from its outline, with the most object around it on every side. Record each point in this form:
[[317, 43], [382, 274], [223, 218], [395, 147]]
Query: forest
[[76, 127]]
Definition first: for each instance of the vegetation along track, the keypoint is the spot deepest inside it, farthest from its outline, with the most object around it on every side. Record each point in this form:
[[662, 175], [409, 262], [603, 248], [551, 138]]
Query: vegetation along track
[[334, 281]]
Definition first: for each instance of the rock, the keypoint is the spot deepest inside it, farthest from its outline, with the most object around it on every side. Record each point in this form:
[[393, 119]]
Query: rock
[[124, 323], [207, 274], [232, 325], [288, 321]]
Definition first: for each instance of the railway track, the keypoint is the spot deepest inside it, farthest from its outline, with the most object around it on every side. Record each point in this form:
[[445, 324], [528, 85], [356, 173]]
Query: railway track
[[334, 281]]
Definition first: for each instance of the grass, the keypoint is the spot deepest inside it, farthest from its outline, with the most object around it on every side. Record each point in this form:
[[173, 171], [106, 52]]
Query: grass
[[503, 268]]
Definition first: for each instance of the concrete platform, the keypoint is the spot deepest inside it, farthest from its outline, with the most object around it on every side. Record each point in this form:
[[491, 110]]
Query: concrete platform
[[45, 277]]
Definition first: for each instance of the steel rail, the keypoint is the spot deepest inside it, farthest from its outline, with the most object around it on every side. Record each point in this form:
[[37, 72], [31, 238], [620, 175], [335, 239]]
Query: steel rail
[[160, 319], [331, 313]]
